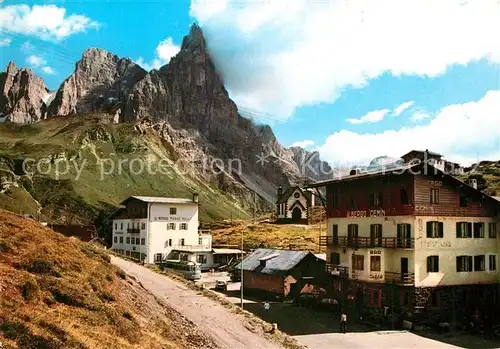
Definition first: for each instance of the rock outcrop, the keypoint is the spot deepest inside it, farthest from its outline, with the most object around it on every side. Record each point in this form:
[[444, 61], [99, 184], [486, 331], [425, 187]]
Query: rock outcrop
[[22, 95], [101, 82]]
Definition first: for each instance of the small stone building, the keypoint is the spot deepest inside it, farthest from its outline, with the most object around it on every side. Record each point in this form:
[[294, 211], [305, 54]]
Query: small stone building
[[293, 205], [271, 274]]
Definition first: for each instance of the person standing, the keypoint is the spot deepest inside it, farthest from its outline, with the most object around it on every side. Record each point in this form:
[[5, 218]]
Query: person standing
[[343, 322]]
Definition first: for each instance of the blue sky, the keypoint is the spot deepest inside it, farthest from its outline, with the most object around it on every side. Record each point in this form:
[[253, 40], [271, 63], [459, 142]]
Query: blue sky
[[328, 75]]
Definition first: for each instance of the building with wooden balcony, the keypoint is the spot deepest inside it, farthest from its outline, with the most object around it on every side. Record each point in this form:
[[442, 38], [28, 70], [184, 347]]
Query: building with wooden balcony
[[415, 240]]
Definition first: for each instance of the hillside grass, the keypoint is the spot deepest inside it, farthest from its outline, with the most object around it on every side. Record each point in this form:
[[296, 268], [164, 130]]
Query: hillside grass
[[57, 292], [80, 198]]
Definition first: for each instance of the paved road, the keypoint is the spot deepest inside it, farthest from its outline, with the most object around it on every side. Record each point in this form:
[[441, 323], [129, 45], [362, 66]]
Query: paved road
[[372, 340], [226, 328]]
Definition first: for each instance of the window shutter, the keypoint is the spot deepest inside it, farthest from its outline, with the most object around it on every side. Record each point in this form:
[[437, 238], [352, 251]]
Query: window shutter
[[469, 230], [459, 229], [458, 263], [441, 229], [428, 264], [470, 264], [429, 229], [379, 298], [437, 264]]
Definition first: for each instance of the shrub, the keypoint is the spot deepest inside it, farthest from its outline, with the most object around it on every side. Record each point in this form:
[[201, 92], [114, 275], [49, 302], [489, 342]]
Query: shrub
[[121, 274], [109, 277], [127, 315], [106, 258], [106, 297], [4, 247], [40, 266], [13, 329], [30, 290]]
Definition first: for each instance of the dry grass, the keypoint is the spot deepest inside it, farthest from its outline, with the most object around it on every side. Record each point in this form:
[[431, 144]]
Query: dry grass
[[57, 292], [263, 233]]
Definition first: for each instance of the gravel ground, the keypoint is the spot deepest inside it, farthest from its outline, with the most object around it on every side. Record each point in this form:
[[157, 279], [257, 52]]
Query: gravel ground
[[227, 329]]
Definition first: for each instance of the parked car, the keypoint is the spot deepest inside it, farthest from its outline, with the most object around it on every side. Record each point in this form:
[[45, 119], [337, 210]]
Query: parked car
[[221, 285]]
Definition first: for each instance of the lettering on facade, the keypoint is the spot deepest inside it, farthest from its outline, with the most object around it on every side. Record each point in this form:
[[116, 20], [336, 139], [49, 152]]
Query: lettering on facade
[[375, 252], [424, 208], [436, 184], [367, 213], [376, 276], [435, 243], [171, 219]]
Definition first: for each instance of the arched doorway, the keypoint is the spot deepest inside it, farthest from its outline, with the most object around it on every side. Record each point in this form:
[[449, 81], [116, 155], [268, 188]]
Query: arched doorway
[[296, 214]]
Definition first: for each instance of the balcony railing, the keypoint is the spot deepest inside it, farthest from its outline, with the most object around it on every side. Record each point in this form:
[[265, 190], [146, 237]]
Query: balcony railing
[[399, 278], [337, 270], [357, 242], [133, 231], [188, 248]]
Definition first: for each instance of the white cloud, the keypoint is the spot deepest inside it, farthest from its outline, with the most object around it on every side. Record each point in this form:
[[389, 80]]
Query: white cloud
[[35, 60], [278, 55], [402, 107], [48, 70], [458, 131], [5, 42], [371, 117], [48, 22], [419, 116], [303, 144], [164, 52]]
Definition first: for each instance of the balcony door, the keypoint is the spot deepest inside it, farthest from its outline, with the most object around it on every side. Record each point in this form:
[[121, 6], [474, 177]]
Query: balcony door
[[352, 234], [404, 268], [404, 236]]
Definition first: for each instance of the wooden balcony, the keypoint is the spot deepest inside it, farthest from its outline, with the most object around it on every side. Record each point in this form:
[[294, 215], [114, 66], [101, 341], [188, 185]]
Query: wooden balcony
[[133, 231], [401, 279], [337, 270], [366, 242]]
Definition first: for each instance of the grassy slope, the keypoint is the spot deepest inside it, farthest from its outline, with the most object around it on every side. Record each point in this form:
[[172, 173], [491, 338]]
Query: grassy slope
[[57, 292], [85, 139], [262, 233]]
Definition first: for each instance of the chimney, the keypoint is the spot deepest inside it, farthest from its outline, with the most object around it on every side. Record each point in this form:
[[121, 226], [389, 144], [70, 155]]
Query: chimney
[[195, 198]]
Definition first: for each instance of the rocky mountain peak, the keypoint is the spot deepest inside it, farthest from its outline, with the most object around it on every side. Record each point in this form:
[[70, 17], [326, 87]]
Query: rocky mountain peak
[[22, 95], [101, 82], [194, 39]]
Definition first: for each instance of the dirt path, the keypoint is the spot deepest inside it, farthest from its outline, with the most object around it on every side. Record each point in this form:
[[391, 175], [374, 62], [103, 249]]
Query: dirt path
[[226, 328]]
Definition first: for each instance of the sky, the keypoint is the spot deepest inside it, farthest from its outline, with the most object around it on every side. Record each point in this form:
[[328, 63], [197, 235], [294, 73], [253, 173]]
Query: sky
[[352, 79]]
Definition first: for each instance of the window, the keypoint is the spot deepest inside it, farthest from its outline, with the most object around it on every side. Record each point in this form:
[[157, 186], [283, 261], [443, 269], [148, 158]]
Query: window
[[335, 234], [143, 241], [478, 230], [434, 196], [173, 210], [143, 226], [128, 225], [433, 264], [464, 263], [200, 241], [375, 199], [202, 259], [121, 239], [375, 263], [464, 202], [116, 225], [403, 197], [335, 258], [358, 262], [464, 230], [137, 241], [376, 234], [404, 235], [352, 203], [184, 226], [121, 226], [115, 239], [492, 230], [479, 263], [181, 242], [352, 233], [435, 229], [158, 257], [128, 241], [335, 199], [171, 226], [492, 265]]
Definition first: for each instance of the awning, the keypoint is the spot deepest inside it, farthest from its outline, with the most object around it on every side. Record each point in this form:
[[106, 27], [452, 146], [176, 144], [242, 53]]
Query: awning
[[432, 280], [226, 251]]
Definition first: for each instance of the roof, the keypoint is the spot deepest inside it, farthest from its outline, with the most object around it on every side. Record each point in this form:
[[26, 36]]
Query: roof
[[84, 232], [160, 200], [423, 151], [277, 261], [496, 198], [284, 197], [400, 170], [226, 251]]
